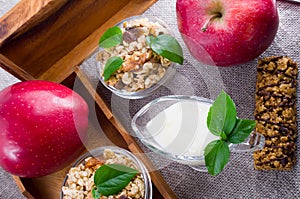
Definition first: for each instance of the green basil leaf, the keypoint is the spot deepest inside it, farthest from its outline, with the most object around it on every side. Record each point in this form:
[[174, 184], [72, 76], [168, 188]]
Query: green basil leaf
[[222, 121], [149, 39], [222, 115], [112, 65], [216, 155], [95, 193], [241, 131], [111, 179], [111, 37], [167, 46], [223, 136]]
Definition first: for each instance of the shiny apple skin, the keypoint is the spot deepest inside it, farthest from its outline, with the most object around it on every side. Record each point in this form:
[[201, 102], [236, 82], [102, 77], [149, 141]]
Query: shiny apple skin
[[42, 126], [245, 30]]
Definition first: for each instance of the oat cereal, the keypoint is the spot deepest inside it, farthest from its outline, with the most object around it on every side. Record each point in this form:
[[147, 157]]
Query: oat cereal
[[80, 179], [142, 68]]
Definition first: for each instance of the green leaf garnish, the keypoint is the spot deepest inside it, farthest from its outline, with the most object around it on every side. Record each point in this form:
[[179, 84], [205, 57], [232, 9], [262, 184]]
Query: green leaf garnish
[[110, 179], [223, 135], [149, 39], [222, 121], [216, 155], [112, 37], [95, 193], [112, 65], [241, 131], [222, 115], [166, 46]]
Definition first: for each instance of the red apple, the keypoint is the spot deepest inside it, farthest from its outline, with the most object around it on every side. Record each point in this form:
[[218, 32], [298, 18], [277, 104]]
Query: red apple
[[227, 32], [42, 126]]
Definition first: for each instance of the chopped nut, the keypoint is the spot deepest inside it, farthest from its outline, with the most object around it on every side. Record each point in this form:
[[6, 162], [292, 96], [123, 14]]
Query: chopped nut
[[92, 162], [152, 79], [127, 78]]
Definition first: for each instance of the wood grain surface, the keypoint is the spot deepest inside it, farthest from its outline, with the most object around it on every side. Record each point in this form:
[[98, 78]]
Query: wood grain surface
[[13, 68], [90, 43], [25, 15], [51, 49]]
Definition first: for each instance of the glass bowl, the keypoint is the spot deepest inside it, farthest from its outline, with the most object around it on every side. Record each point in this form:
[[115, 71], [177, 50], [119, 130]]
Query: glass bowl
[[98, 153], [132, 93]]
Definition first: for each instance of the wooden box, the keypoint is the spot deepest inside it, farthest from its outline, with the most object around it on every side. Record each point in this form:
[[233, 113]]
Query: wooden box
[[48, 39]]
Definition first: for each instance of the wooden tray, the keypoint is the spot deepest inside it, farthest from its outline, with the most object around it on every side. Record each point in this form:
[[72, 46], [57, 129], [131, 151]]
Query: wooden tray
[[46, 40]]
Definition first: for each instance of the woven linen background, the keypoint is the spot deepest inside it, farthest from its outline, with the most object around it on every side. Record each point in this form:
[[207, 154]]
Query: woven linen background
[[239, 179]]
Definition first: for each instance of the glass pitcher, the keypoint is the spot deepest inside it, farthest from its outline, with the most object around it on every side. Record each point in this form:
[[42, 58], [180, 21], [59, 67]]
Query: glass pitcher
[[175, 127]]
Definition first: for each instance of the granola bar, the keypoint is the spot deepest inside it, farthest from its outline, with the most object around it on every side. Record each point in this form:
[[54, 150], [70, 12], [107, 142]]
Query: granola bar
[[275, 113]]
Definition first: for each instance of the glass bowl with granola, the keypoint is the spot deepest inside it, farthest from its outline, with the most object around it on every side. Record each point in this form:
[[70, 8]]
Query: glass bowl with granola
[[82, 180], [137, 56]]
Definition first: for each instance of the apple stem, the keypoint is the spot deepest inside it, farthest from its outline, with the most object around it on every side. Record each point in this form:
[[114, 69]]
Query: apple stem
[[214, 16]]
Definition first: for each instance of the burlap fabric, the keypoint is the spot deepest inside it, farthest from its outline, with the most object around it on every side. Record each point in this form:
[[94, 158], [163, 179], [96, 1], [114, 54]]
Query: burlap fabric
[[239, 179]]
